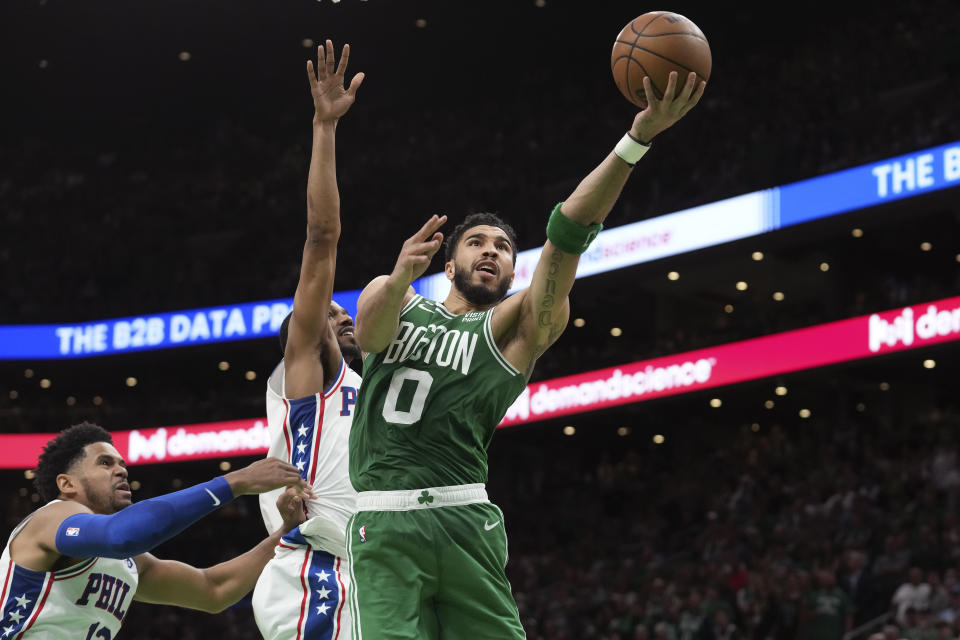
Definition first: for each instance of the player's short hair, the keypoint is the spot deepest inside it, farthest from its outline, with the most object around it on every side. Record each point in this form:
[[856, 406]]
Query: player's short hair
[[284, 331], [60, 453], [475, 220]]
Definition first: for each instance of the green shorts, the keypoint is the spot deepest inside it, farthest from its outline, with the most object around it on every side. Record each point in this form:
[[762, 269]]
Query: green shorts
[[429, 564]]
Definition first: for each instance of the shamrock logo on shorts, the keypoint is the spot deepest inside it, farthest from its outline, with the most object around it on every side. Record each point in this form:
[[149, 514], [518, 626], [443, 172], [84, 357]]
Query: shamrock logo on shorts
[[425, 497]]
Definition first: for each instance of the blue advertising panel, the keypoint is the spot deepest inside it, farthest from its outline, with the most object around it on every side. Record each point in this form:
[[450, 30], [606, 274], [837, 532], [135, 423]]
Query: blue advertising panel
[[674, 233]]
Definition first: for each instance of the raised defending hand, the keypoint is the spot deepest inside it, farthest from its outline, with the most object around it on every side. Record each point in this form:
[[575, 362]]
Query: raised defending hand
[[265, 475], [418, 251], [662, 113], [290, 505], [330, 99]]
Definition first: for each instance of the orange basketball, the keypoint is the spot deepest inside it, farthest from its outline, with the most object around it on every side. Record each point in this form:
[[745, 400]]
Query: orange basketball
[[655, 44]]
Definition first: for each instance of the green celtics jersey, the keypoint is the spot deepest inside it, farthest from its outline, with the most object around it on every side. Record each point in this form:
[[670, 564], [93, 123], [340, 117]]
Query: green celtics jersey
[[430, 402]]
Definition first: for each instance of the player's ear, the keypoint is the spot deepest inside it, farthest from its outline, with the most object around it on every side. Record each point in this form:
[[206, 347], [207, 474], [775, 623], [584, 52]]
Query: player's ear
[[449, 268], [67, 484]]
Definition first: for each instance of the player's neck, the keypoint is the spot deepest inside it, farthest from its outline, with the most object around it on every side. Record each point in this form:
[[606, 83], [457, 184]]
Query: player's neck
[[458, 305]]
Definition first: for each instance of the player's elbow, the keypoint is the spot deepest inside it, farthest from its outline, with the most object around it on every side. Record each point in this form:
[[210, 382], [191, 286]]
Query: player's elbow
[[323, 235], [369, 341]]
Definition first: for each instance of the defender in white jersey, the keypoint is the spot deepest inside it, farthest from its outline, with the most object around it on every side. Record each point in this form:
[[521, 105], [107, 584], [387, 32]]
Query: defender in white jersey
[[72, 568], [302, 592]]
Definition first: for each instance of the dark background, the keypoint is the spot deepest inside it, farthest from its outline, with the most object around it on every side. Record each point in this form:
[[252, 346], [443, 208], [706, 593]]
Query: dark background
[[133, 182]]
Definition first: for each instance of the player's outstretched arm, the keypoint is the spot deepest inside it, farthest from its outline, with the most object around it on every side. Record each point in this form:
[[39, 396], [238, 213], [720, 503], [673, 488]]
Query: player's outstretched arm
[[526, 324], [71, 529], [217, 587], [380, 302], [309, 328]]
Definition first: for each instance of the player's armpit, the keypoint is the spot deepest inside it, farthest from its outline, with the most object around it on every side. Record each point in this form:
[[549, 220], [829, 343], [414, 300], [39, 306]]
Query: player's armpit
[[35, 546]]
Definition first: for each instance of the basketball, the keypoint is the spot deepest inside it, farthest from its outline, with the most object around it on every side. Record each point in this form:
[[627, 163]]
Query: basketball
[[655, 44]]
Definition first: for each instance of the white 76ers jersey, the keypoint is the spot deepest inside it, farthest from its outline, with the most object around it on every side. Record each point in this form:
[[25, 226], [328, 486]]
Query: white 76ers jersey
[[313, 433], [87, 601]]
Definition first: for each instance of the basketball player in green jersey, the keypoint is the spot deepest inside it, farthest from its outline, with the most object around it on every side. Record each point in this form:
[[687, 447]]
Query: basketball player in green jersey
[[427, 548]]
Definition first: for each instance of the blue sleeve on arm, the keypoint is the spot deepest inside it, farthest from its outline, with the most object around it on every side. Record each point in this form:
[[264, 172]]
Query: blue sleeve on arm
[[141, 526]]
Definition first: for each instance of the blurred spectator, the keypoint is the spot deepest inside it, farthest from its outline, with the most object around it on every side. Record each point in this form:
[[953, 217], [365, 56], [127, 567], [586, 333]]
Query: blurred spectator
[[912, 594], [827, 612]]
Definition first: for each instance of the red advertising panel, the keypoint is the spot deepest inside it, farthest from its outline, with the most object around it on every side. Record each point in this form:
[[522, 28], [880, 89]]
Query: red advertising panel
[[821, 345]]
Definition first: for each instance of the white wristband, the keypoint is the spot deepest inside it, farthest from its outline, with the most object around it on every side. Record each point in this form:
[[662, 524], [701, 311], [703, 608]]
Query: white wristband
[[630, 149]]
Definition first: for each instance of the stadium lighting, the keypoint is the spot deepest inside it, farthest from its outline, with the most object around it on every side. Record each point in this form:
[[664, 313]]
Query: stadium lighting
[[925, 246], [824, 266], [861, 407], [778, 295], [755, 427], [579, 322], [804, 413], [715, 402], [780, 390], [769, 404], [43, 64], [673, 275], [757, 256], [250, 375], [884, 386], [97, 400], [623, 431], [540, 3], [307, 43], [857, 232], [616, 332], [728, 308], [421, 23], [131, 381], [14, 394], [929, 363], [741, 286], [569, 430], [29, 474], [658, 439], [45, 383], [225, 465], [135, 485], [28, 373], [71, 401], [184, 56], [224, 365], [958, 257]]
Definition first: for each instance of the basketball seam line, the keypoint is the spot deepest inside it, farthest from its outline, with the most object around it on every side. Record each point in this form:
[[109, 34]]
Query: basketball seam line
[[662, 57]]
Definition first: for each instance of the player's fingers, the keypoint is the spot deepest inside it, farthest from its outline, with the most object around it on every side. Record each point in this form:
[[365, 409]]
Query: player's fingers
[[344, 58], [648, 90], [355, 83], [437, 242], [321, 63], [330, 57], [688, 86], [695, 98], [422, 248], [671, 91], [311, 74], [425, 230]]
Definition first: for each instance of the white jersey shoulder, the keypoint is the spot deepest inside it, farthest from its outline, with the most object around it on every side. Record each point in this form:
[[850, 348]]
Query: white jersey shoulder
[[313, 433], [87, 600]]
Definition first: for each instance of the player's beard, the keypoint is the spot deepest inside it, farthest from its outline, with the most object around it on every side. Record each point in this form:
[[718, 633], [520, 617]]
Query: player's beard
[[102, 503], [349, 348], [477, 294]]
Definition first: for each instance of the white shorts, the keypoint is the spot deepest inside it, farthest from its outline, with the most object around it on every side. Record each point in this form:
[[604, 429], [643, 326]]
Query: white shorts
[[302, 593]]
